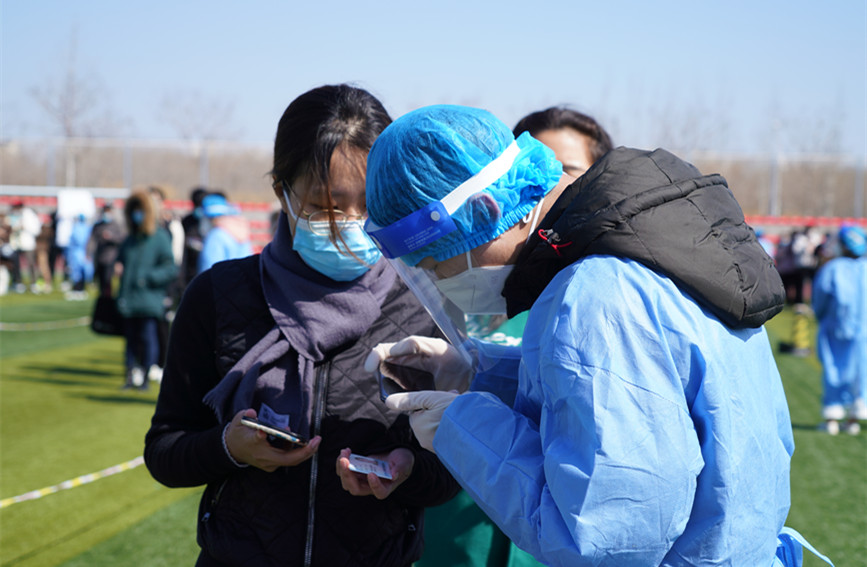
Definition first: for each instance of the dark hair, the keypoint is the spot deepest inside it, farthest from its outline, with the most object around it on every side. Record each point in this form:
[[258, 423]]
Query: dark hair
[[558, 117], [318, 122], [197, 194]]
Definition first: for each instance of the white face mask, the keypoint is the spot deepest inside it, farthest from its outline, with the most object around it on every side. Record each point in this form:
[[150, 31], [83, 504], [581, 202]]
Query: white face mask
[[477, 290]]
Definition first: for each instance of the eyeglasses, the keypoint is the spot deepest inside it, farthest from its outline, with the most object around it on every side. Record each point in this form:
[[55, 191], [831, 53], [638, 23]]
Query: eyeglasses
[[319, 220]]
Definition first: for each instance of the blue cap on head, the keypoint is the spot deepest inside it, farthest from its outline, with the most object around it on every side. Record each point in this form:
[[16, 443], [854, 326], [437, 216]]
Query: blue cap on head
[[419, 161], [854, 239], [217, 206]]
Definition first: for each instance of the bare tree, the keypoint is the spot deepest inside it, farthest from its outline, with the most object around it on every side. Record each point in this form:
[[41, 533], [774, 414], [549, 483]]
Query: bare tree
[[197, 117], [78, 107], [807, 132], [691, 125], [201, 120]]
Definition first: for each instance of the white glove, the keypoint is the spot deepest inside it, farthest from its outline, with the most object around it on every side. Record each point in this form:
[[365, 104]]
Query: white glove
[[425, 412], [451, 370]]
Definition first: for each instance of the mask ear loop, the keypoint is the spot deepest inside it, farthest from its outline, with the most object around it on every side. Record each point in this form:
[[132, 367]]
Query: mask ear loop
[[537, 210], [534, 214], [289, 204]]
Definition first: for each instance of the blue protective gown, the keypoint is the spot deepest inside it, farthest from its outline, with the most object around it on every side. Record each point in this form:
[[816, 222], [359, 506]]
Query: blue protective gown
[[80, 266], [644, 432], [220, 245], [840, 302]]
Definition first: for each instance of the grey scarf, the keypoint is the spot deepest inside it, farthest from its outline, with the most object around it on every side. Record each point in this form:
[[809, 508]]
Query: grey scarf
[[315, 316]]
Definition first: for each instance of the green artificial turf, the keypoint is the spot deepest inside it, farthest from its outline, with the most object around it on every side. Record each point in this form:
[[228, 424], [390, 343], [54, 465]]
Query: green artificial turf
[[166, 538], [829, 474], [62, 415]]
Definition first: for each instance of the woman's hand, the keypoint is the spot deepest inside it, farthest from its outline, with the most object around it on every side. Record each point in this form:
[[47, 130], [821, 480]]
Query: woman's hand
[[400, 462], [251, 447]]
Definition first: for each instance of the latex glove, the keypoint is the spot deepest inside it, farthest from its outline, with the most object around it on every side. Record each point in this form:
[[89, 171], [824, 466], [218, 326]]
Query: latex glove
[[451, 370], [425, 412]]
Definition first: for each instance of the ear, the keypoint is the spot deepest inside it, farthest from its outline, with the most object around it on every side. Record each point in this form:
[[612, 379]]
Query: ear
[[277, 188], [278, 192], [484, 209]]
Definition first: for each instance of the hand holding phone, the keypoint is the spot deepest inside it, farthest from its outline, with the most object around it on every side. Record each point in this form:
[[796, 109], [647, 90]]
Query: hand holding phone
[[395, 378], [278, 437], [452, 368]]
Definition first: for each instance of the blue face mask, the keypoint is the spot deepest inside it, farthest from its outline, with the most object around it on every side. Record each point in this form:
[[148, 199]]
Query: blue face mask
[[321, 254], [137, 217]]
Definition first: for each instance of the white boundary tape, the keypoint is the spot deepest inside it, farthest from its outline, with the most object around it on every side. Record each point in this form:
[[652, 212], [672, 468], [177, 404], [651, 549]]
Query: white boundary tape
[[46, 325], [84, 479]]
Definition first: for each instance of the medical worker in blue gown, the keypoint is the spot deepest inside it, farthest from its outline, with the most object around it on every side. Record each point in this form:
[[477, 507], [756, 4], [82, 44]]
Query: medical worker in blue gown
[[840, 303], [649, 423]]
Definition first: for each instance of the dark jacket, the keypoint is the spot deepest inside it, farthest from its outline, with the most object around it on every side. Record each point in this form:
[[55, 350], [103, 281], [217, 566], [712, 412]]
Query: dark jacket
[[148, 270], [105, 240], [661, 211], [250, 517]]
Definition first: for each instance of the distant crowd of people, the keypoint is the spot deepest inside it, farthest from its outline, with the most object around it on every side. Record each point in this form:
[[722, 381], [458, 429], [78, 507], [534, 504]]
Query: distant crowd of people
[[28, 251], [798, 256], [143, 257]]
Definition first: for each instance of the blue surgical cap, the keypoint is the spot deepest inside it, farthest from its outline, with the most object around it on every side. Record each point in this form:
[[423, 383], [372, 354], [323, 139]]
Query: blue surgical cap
[[854, 239], [425, 154], [216, 205]]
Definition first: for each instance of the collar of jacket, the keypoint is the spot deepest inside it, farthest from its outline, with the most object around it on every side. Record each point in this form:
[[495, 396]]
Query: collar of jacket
[[653, 207]]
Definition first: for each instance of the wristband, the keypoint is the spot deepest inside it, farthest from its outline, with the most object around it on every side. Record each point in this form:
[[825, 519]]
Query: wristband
[[226, 449]]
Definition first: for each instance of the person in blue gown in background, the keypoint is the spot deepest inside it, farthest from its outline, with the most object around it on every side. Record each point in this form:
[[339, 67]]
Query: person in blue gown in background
[[840, 305]]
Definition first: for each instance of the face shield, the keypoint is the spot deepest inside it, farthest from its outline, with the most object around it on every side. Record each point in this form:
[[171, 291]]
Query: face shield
[[441, 181], [429, 224], [426, 225]]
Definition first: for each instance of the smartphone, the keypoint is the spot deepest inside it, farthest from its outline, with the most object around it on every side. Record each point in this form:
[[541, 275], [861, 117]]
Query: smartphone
[[278, 437], [395, 378]]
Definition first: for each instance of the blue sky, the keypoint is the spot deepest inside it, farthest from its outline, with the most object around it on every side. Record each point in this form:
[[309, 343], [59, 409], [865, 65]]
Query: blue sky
[[749, 76]]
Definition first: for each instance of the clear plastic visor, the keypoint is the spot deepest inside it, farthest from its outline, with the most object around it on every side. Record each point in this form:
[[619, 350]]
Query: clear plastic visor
[[448, 317], [432, 222]]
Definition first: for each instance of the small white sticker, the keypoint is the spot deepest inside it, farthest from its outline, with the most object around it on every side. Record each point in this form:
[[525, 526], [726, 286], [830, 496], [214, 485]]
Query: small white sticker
[[365, 465], [271, 417]]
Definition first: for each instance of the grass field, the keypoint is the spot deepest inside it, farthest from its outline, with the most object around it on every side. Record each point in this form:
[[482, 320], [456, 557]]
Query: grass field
[[62, 416]]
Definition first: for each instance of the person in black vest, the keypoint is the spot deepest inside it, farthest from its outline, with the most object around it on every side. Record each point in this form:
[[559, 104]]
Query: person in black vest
[[281, 337]]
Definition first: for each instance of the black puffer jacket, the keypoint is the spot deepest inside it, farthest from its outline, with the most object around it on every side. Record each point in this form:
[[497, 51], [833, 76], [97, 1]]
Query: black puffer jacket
[[250, 517], [661, 211]]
